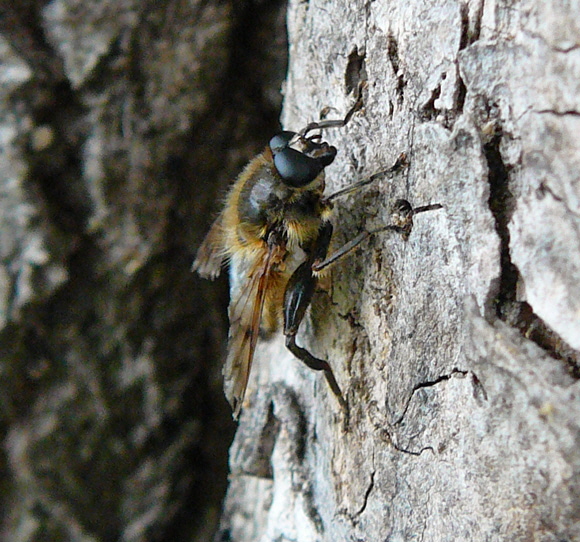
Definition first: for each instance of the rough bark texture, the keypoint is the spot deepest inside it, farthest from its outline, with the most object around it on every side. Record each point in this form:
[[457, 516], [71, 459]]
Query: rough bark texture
[[121, 123], [458, 349]]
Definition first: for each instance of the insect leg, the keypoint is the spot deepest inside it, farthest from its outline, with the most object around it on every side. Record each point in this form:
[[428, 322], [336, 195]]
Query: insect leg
[[297, 298], [402, 217], [403, 213], [399, 164], [321, 124]]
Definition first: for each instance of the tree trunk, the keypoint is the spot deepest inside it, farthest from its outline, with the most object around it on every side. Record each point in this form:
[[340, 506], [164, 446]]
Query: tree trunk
[[457, 349], [122, 123]]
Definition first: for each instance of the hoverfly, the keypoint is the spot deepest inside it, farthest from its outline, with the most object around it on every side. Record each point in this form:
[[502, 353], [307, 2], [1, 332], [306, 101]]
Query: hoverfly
[[275, 231]]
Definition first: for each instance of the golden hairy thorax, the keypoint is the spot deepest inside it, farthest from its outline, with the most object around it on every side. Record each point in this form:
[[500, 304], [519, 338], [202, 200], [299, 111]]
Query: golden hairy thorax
[[257, 203], [259, 200]]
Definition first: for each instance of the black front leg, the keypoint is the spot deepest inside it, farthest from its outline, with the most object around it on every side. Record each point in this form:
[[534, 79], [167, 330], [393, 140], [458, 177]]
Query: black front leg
[[297, 298]]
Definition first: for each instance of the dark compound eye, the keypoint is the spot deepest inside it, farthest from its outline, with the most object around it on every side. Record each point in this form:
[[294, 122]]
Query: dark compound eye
[[328, 156], [295, 168], [280, 141], [299, 168]]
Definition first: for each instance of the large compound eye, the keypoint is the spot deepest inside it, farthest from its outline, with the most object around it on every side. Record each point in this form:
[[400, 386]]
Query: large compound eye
[[327, 157], [300, 167], [295, 168], [281, 141]]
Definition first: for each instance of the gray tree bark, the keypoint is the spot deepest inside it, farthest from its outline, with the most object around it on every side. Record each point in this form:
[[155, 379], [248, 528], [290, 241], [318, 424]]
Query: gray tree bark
[[458, 349], [121, 125]]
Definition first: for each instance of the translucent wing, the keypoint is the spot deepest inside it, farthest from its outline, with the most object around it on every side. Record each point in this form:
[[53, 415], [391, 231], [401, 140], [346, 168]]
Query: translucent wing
[[211, 253], [248, 294]]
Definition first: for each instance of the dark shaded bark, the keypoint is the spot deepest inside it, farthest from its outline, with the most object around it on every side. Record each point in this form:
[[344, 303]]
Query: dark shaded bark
[[123, 124]]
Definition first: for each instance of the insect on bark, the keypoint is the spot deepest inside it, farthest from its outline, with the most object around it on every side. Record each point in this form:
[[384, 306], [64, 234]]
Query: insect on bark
[[274, 232]]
